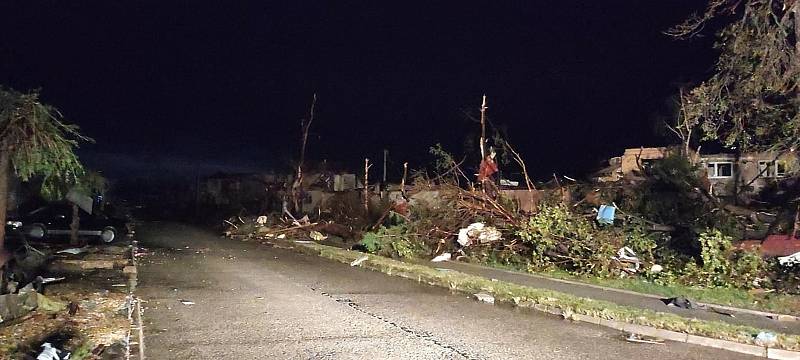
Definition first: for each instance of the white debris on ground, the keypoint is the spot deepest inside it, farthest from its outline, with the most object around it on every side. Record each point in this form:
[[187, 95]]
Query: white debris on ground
[[483, 297], [790, 260], [478, 232], [443, 257], [360, 260]]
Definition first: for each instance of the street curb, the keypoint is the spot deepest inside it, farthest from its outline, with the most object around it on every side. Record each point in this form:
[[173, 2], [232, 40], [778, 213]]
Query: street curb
[[749, 349], [767, 314], [135, 311]]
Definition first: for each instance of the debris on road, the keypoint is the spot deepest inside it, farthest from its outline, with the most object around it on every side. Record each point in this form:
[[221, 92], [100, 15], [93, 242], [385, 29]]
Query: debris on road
[[679, 301], [642, 339], [484, 297], [443, 257], [186, 302], [360, 260]]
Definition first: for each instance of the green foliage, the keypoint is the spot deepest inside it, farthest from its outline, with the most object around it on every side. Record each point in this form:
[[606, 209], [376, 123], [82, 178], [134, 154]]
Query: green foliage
[[715, 249], [443, 161], [39, 143], [557, 236], [667, 196], [91, 183], [722, 266], [372, 242], [641, 241], [751, 101], [749, 269], [671, 195], [394, 241]]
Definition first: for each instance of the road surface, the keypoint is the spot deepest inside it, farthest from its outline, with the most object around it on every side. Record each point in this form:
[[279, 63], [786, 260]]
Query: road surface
[[253, 301]]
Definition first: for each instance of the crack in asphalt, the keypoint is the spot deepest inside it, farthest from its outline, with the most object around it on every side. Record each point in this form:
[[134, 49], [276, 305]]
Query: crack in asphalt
[[423, 335]]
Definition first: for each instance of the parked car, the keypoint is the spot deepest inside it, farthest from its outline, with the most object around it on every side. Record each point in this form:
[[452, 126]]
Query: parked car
[[53, 220]]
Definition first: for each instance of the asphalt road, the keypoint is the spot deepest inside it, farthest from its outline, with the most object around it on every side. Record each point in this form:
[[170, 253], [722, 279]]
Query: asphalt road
[[253, 301]]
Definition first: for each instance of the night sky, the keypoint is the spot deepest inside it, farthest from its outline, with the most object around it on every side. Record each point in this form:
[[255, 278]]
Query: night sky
[[193, 84]]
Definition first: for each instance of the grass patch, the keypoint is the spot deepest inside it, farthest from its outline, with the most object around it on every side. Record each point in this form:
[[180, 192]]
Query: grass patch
[[534, 297], [770, 302]]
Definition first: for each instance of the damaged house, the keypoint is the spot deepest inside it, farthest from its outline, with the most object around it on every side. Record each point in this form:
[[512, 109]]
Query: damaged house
[[727, 174]]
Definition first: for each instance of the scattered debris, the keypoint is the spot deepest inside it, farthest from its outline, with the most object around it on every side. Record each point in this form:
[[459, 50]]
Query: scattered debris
[[74, 251], [605, 214], [261, 220], [186, 302], [360, 260], [655, 269], [316, 235], [484, 297], [478, 232], [628, 256], [680, 302], [231, 224], [790, 260], [642, 339], [443, 257], [302, 221], [281, 236], [51, 353], [13, 306], [766, 338]]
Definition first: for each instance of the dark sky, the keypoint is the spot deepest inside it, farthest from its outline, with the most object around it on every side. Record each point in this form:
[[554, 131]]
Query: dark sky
[[226, 82]]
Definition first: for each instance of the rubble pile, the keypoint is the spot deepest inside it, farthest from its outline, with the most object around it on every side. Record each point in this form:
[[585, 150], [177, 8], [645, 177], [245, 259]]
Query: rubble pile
[[662, 225]]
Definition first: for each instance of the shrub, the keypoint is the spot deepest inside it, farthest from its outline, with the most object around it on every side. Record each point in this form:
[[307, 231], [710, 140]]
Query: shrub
[[557, 237], [394, 241]]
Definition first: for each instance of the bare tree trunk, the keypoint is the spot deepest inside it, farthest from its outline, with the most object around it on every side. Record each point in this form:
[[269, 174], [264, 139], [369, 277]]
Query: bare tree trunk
[[366, 188], [403, 181], [297, 185], [483, 129], [5, 172], [74, 225]]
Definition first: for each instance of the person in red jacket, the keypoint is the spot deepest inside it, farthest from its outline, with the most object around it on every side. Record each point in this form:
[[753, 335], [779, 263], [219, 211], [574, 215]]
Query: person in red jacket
[[486, 172]]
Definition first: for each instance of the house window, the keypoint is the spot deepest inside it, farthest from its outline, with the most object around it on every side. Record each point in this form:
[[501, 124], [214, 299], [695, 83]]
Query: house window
[[766, 168], [771, 169], [780, 168], [720, 169]]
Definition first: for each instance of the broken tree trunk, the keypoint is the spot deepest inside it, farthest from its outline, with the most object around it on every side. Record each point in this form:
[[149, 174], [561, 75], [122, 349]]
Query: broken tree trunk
[[403, 181], [297, 185], [483, 128], [5, 170], [366, 188], [74, 225]]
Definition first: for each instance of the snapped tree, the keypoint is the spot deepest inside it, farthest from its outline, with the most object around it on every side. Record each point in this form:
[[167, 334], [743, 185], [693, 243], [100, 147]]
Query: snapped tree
[[90, 184], [34, 141], [752, 101]]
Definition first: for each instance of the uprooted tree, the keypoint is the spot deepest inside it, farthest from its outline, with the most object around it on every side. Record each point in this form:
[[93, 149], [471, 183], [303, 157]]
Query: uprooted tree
[[35, 142], [752, 101]]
